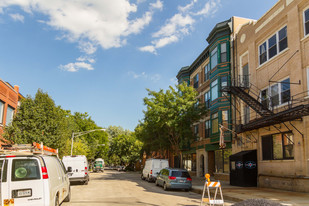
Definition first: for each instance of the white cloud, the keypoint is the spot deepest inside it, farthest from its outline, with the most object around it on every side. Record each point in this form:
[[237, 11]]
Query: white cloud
[[101, 22], [76, 66], [87, 47], [143, 75], [180, 24], [17, 17]]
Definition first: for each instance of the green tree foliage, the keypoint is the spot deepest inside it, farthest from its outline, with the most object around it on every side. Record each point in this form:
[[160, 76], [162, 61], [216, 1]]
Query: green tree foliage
[[124, 149], [40, 120], [168, 118]]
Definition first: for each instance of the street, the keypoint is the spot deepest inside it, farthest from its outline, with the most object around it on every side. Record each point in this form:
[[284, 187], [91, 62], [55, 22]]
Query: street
[[126, 188]]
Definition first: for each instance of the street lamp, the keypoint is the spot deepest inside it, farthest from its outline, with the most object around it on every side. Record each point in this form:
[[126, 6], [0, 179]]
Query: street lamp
[[77, 134]]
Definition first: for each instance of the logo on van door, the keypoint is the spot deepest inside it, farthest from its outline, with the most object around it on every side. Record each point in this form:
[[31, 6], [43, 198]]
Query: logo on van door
[[250, 165]]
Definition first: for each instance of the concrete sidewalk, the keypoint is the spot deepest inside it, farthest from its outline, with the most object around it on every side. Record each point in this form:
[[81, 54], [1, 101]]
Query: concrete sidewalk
[[238, 194]]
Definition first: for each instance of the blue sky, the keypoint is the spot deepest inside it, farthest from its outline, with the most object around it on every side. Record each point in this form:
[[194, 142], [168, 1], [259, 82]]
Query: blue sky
[[99, 56]]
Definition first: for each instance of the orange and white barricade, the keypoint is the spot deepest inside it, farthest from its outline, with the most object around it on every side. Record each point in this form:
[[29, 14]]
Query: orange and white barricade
[[211, 185]]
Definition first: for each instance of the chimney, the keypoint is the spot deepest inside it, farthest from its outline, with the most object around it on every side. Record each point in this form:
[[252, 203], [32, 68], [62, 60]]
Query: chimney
[[16, 88]]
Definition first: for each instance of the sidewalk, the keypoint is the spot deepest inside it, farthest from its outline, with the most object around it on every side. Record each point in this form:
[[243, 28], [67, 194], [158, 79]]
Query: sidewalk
[[238, 194]]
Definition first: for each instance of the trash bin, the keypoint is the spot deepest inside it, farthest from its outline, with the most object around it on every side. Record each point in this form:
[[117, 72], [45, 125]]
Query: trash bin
[[243, 169]]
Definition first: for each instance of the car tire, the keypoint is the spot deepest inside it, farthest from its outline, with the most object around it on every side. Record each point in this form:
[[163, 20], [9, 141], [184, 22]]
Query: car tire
[[165, 186], [68, 198], [157, 184], [57, 201]]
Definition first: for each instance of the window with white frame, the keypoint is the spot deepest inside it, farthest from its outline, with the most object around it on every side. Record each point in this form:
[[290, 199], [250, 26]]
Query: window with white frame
[[273, 46], [223, 52], [214, 57], [206, 72], [214, 90], [306, 22], [207, 99], [1, 111], [276, 94], [9, 115]]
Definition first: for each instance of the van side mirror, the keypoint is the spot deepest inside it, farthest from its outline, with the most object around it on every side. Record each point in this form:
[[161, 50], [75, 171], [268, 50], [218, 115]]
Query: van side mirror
[[69, 169]]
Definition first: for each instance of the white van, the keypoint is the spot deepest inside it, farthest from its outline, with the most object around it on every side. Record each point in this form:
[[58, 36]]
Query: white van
[[152, 168], [77, 167], [33, 180]]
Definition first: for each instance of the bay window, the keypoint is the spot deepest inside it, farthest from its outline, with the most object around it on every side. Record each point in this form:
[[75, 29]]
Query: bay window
[[223, 52], [214, 123], [214, 58], [214, 90]]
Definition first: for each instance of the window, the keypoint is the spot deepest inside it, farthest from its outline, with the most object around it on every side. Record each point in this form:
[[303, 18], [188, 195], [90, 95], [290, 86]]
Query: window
[[278, 146], [195, 81], [207, 128], [224, 85], [196, 130], [214, 58], [245, 76], [214, 90], [223, 52], [246, 114], [306, 22], [277, 94], [214, 123], [207, 72], [225, 118], [25, 169], [207, 99], [9, 115], [274, 45], [222, 160], [1, 111]]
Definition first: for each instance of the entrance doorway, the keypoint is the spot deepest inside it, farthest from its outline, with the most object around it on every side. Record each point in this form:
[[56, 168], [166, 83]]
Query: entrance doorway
[[202, 165]]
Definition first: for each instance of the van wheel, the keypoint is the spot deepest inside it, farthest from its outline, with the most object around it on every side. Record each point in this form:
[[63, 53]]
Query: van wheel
[[68, 198], [57, 201]]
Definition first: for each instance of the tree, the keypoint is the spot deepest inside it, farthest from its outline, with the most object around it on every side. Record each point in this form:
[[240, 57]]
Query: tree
[[40, 120], [125, 149], [168, 119]]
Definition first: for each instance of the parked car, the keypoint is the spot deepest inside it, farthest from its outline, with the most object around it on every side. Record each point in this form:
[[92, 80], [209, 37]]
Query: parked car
[[33, 180], [98, 165], [152, 168], [174, 178], [77, 167]]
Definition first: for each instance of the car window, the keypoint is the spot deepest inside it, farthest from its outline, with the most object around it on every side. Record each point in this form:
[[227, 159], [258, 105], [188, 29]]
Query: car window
[[165, 172], [180, 174], [25, 169], [5, 167]]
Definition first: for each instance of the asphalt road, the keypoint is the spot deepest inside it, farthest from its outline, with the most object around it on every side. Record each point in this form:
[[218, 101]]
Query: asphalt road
[[126, 188]]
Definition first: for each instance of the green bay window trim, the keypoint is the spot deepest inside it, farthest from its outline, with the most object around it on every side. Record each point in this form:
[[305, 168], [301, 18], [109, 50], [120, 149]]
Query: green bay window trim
[[9, 115], [306, 22], [206, 72], [277, 94], [195, 81], [1, 111], [273, 46], [278, 146]]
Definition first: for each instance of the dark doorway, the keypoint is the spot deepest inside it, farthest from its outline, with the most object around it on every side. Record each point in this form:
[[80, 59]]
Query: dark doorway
[[211, 162], [202, 165], [176, 161]]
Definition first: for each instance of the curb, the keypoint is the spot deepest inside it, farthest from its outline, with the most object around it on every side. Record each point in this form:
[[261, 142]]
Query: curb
[[225, 197]]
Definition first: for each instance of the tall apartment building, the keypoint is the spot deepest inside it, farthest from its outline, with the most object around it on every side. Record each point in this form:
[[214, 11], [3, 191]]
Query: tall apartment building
[[208, 74], [9, 101], [270, 89]]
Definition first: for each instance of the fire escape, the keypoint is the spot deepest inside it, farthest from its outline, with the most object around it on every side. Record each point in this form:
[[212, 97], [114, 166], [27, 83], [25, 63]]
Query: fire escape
[[296, 108]]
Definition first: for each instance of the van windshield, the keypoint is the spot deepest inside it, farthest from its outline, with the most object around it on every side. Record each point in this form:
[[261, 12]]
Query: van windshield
[[25, 169]]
